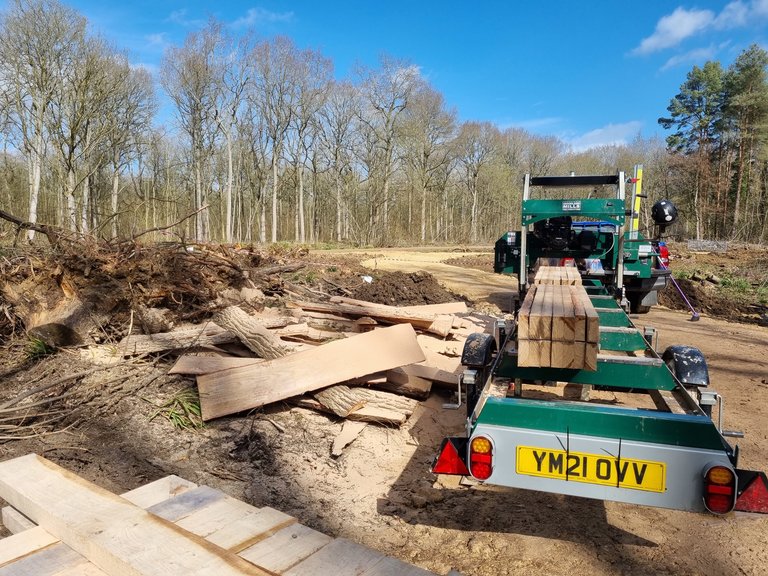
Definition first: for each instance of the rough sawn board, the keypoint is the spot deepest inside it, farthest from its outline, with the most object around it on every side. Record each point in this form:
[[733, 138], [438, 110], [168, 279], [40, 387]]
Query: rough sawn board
[[238, 389]]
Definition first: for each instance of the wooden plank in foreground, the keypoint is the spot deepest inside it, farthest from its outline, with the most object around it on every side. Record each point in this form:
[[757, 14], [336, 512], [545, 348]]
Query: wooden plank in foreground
[[115, 535], [238, 389], [345, 558]]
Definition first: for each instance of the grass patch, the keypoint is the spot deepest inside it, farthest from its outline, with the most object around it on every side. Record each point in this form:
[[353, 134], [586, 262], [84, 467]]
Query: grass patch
[[37, 349], [183, 410]]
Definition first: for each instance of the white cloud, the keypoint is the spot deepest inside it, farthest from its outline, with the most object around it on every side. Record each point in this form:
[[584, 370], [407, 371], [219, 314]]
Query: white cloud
[[674, 28], [734, 15], [609, 135], [255, 16], [695, 56]]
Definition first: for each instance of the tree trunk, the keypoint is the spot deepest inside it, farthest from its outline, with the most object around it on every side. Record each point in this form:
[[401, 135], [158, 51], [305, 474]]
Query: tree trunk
[[251, 333], [35, 163], [71, 205], [274, 195], [115, 190], [300, 174], [228, 193]]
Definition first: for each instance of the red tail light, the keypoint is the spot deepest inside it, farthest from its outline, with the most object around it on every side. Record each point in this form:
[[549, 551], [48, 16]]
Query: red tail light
[[481, 457], [719, 489], [663, 255]]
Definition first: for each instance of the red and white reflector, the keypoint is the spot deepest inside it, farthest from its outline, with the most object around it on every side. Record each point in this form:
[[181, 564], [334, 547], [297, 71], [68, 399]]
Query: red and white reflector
[[449, 461], [753, 492]]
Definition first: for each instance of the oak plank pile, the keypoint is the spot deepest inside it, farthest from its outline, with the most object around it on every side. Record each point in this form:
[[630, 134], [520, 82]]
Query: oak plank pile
[[557, 324], [170, 527]]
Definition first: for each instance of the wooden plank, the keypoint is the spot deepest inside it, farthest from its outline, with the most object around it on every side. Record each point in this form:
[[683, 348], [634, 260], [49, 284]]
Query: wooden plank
[[185, 504], [117, 536], [567, 355], [286, 548], [238, 389], [48, 561], [534, 353], [215, 516], [24, 543], [563, 319], [445, 308], [158, 491], [579, 313], [344, 558], [250, 529], [383, 313], [524, 314], [590, 356], [198, 365], [15, 521], [540, 321]]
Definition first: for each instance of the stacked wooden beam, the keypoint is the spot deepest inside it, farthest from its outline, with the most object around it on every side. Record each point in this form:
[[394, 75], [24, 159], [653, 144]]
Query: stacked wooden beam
[[558, 275], [557, 324], [171, 527]]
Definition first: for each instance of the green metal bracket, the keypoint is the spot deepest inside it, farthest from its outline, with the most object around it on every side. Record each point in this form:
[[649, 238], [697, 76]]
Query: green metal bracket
[[618, 372]]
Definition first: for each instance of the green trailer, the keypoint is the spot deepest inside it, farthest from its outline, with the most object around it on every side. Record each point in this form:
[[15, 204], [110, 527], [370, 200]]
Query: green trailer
[[549, 429]]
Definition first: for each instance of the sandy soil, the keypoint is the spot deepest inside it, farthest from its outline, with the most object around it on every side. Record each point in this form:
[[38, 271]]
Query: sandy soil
[[380, 492]]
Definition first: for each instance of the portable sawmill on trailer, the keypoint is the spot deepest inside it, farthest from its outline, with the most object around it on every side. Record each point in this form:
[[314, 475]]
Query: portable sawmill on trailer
[[570, 397]]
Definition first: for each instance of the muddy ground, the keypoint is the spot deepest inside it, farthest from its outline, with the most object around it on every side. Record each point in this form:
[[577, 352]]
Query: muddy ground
[[380, 492]]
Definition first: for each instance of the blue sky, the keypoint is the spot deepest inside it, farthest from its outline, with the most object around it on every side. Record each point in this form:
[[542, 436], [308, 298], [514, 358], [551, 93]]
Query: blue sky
[[590, 72]]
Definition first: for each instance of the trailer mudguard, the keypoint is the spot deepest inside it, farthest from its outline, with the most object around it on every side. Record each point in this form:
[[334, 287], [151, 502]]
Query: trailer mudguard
[[688, 365]]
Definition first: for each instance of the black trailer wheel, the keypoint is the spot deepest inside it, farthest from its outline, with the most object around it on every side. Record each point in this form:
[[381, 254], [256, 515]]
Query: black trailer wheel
[[478, 353]]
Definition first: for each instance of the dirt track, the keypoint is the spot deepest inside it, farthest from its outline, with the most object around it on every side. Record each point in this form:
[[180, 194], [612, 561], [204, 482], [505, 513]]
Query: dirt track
[[511, 531], [380, 493]]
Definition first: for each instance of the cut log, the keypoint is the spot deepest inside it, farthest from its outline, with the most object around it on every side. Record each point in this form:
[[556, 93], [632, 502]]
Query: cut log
[[344, 400], [251, 333], [133, 541], [238, 389], [200, 336]]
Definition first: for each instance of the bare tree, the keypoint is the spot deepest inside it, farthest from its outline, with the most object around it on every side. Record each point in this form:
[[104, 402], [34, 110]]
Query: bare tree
[[230, 80], [37, 39], [276, 76], [476, 144], [337, 118], [128, 123], [427, 129], [188, 76], [387, 92], [314, 77]]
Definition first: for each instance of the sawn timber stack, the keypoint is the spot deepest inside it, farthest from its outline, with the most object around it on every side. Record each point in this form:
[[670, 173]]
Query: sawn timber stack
[[557, 324], [170, 527]]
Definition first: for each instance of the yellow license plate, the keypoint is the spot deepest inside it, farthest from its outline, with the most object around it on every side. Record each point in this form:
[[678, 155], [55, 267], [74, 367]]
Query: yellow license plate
[[591, 468]]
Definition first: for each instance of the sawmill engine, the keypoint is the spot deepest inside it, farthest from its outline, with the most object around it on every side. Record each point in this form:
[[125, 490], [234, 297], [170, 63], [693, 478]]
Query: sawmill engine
[[554, 233]]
